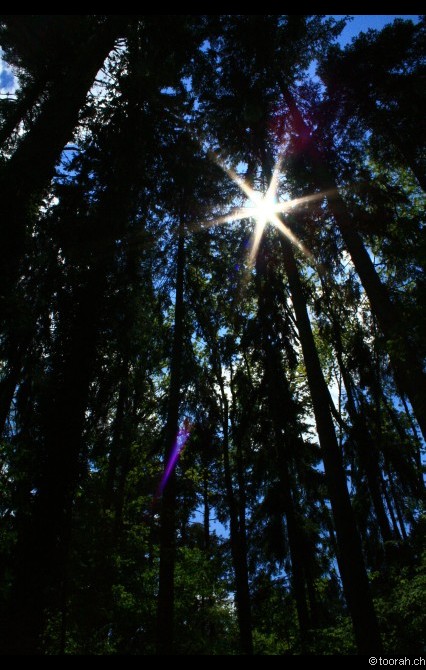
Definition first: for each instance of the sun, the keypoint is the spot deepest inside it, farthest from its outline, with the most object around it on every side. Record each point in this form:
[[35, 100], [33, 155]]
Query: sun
[[263, 208]]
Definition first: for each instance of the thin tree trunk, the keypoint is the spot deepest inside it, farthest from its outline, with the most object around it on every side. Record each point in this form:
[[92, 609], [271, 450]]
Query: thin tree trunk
[[412, 467], [165, 608], [206, 511], [17, 336], [242, 503], [396, 530], [116, 440], [418, 454], [352, 567], [396, 504], [297, 555], [8, 387], [239, 558], [121, 486]]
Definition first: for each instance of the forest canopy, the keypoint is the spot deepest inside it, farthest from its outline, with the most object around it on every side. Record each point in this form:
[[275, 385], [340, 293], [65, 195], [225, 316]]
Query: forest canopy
[[212, 336]]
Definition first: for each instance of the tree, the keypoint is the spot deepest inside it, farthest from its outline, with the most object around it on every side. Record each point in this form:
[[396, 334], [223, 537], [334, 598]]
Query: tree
[[21, 186]]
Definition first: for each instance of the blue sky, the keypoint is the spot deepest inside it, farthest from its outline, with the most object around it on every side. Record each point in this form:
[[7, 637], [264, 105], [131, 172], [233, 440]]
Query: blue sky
[[7, 80], [362, 22]]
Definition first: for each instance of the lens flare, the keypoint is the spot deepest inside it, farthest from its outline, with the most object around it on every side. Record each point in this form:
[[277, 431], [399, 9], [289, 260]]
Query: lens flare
[[178, 447], [265, 207]]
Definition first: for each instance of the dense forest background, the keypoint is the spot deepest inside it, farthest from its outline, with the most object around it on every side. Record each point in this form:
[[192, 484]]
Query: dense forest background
[[212, 397]]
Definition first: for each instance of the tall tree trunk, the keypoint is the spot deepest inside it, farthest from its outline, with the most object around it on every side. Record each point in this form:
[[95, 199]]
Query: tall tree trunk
[[123, 471], [8, 385], [17, 336], [241, 507], [418, 451], [396, 530], [165, 608], [206, 512], [297, 554], [405, 361], [28, 172], [239, 557], [279, 395], [117, 432], [396, 503], [352, 567]]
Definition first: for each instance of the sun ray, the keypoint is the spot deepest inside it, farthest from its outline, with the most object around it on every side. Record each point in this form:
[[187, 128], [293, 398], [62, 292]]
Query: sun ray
[[285, 230], [273, 185], [232, 174], [265, 206], [255, 239], [234, 215]]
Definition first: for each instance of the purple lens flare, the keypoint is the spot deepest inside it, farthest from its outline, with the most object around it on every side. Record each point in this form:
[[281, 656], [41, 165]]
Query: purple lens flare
[[178, 446]]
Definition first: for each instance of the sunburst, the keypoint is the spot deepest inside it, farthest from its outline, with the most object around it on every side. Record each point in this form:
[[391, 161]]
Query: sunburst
[[264, 208]]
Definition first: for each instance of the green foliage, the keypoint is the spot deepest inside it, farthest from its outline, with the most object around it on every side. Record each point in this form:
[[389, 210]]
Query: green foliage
[[402, 610]]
